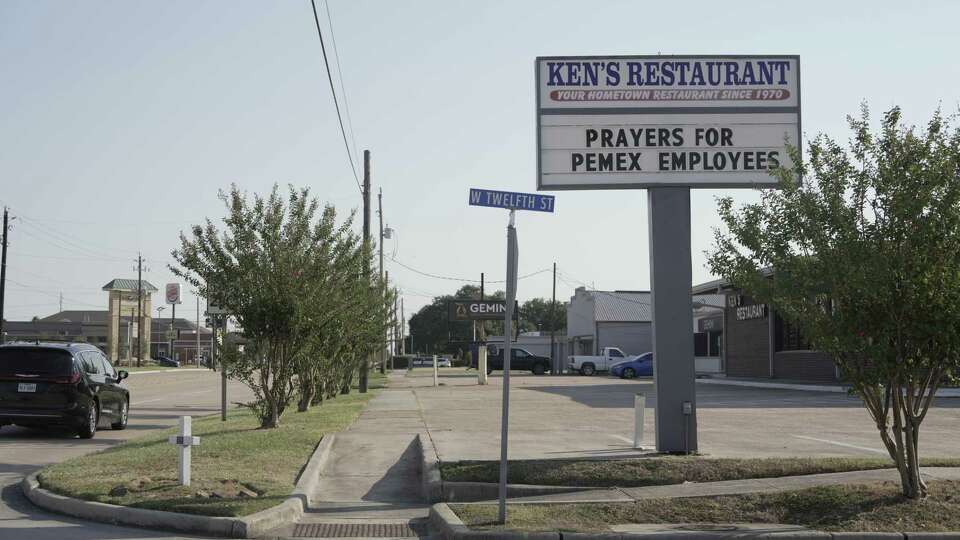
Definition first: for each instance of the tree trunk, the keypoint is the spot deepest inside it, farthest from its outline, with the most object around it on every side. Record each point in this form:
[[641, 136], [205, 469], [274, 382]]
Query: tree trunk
[[318, 393], [307, 391], [916, 488]]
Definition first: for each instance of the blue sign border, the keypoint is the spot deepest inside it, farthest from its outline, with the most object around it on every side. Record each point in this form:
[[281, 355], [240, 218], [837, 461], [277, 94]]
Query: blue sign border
[[512, 200]]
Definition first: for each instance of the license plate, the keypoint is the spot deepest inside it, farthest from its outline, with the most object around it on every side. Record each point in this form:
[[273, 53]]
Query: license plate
[[27, 387]]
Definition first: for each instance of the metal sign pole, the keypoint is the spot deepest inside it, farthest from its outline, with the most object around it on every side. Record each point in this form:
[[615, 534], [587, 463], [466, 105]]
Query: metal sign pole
[[670, 278], [507, 338]]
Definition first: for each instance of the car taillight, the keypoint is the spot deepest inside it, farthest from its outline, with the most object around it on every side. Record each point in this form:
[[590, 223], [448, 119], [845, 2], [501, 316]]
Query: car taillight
[[74, 378]]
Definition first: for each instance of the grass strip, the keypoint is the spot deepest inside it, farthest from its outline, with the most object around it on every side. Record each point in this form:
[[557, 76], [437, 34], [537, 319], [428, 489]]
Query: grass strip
[[660, 470], [134, 369], [235, 458], [867, 508]]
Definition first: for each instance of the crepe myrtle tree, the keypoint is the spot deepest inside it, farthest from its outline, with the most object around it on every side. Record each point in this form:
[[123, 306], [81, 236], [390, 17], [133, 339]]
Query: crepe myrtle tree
[[272, 267], [863, 256]]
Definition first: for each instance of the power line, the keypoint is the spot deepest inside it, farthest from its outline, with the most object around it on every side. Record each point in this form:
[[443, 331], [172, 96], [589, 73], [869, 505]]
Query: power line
[[593, 290], [54, 295], [62, 245], [336, 103], [465, 280], [343, 90]]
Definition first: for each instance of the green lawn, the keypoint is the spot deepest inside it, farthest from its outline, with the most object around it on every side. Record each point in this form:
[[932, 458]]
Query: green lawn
[[134, 369], [877, 507], [659, 470], [265, 461]]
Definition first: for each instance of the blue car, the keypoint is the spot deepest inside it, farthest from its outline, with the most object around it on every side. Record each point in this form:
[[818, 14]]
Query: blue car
[[638, 366]]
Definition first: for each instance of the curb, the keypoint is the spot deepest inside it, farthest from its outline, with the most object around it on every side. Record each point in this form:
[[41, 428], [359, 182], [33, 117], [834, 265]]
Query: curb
[[254, 525], [172, 370], [941, 393], [435, 490], [431, 481], [486, 491], [446, 525]]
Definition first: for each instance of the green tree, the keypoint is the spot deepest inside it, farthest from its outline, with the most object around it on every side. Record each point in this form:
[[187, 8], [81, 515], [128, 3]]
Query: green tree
[[431, 331], [544, 315], [277, 268], [864, 257]]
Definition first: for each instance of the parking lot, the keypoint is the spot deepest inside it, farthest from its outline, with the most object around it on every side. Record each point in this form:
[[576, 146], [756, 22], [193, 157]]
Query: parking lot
[[575, 416]]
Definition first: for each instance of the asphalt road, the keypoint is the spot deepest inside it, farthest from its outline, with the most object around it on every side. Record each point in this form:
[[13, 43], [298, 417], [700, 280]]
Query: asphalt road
[[157, 400]]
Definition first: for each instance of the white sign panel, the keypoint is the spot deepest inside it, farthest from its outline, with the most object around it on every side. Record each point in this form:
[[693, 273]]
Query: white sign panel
[[173, 293], [645, 121]]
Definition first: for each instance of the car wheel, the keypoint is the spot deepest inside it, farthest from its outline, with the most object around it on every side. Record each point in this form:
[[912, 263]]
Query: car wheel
[[539, 369], [629, 373], [587, 369], [124, 414], [89, 427]]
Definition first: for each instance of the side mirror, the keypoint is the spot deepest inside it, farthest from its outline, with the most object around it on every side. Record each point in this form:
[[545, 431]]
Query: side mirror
[[122, 374]]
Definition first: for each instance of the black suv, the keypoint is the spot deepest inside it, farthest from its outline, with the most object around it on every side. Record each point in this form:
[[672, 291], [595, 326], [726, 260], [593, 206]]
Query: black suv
[[61, 384]]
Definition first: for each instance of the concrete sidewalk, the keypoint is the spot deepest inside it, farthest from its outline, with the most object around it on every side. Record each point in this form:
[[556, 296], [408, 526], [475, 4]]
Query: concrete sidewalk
[[735, 487], [372, 478]]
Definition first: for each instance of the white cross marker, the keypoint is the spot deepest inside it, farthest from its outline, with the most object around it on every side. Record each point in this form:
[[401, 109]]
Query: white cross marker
[[184, 440]]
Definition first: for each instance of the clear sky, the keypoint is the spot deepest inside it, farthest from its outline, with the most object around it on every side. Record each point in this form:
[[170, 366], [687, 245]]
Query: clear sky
[[122, 119]]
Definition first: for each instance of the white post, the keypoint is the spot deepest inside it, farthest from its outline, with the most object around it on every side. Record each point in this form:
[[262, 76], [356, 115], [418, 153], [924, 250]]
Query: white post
[[186, 430], [482, 364], [639, 403], [185, 440], [435, 370]]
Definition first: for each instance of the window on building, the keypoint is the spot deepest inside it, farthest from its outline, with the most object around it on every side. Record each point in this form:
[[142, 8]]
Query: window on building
[[707, 344], [788, 337]]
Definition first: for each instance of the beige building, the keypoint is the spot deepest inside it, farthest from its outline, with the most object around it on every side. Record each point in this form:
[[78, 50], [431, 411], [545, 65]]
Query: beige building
[[122, 302]]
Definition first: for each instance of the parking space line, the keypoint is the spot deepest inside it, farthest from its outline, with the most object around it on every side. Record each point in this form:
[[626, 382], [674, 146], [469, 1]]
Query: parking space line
[[622, 438], [841, 444]]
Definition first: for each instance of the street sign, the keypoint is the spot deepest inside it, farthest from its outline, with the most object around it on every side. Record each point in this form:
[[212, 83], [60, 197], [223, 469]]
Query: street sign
[[511, 200], [173, 293], [477, 310], [616, 122]]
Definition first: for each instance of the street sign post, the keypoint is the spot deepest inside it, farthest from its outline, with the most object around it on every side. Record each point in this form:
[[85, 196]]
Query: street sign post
[[512, 201], [172, 293], [667, 124]]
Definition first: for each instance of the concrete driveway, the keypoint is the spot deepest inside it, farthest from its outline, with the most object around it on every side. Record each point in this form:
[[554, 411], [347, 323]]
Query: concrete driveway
[[575, 416]]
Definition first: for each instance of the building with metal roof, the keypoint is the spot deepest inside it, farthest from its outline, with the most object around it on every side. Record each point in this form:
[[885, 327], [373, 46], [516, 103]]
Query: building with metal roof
[[598, 319], [129, 285]]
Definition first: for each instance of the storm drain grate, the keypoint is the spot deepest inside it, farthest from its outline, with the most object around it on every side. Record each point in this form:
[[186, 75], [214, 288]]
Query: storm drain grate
[[360, 530]]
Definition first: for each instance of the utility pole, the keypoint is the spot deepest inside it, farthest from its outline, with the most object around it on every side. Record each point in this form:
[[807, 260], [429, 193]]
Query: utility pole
[[365, 361], [3, 269], [403, 323], [384, 277], [61, 301], [197, 356], [384, 351], [396, 332], [139, 307], [553, 325]]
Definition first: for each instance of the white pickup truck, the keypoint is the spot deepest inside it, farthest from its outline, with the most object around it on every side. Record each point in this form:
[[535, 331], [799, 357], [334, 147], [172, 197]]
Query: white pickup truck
[[588, 365]]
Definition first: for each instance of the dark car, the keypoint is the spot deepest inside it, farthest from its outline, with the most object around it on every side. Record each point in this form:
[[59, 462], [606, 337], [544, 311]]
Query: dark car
[[71, 385], [520, 360], [638, 366], [167, 361]]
